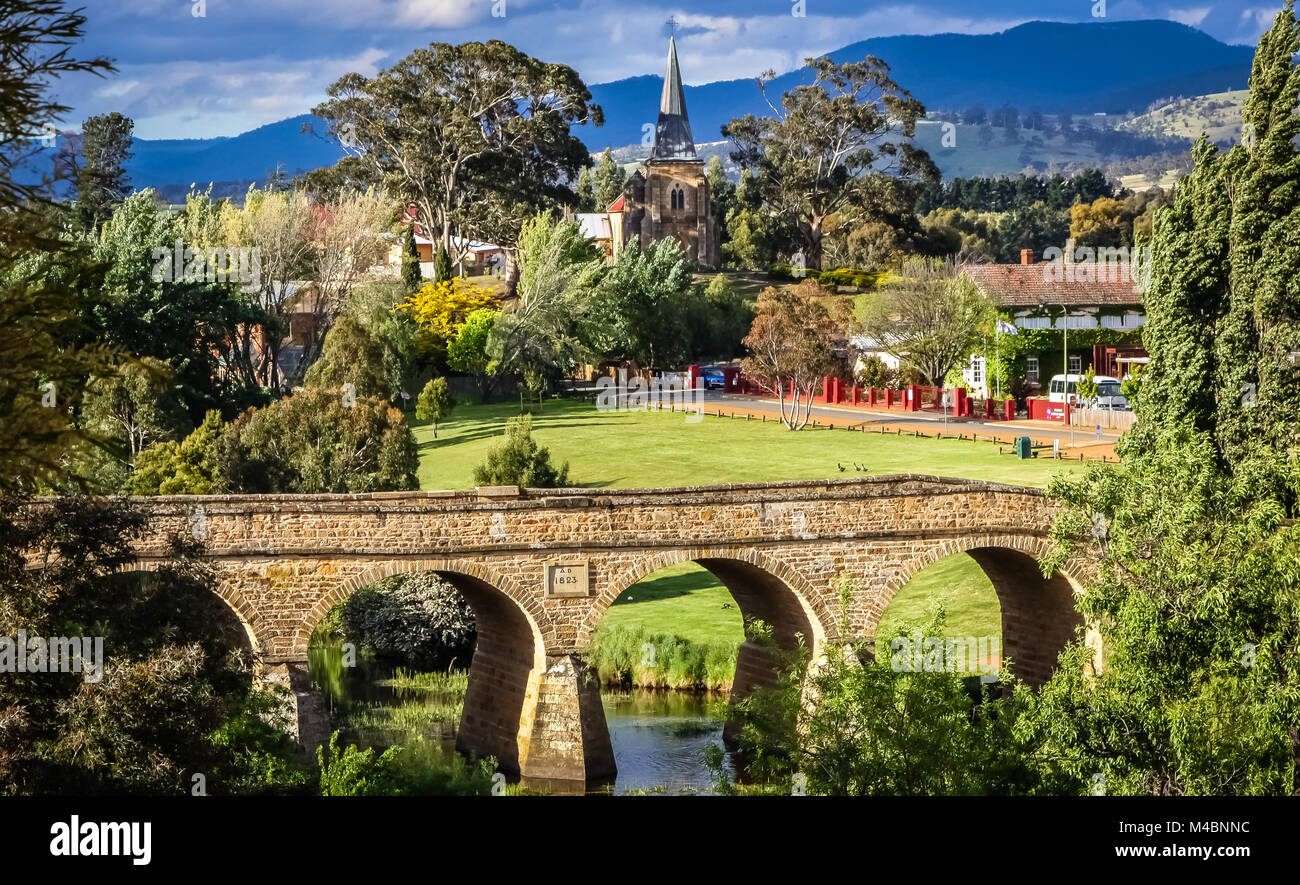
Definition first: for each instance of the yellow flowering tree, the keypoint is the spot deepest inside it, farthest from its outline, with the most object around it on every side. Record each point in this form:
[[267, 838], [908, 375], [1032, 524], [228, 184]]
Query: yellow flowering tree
[[441, 308]]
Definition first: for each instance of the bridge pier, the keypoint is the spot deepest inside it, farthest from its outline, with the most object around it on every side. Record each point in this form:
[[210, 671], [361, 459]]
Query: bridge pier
[[308, 719], [562, 733], [756, 666]]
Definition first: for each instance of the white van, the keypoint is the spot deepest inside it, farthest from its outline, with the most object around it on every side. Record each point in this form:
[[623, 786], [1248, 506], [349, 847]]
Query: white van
[[1108, 394], [1065, 389]]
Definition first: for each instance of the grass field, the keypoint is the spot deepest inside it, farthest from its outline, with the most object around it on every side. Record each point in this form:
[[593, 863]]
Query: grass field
[[684, 599], [969, 600], [648, 449], [1218, 115]]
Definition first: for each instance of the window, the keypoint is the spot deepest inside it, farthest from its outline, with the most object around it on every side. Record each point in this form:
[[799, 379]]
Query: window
[[677, 198], [977, 370], [1076, 365], [1031, 368]]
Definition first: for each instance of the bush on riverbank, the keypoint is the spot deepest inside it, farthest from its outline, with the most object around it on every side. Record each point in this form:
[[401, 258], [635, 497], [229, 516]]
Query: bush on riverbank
[[420, 769], [633, 656], [417, 621]]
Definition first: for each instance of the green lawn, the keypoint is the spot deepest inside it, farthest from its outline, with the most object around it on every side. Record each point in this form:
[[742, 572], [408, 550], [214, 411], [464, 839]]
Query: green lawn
[[969, 600], [684, 599], [647, 449]]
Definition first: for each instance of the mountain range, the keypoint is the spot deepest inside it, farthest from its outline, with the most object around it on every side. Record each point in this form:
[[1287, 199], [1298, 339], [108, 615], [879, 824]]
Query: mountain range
[[1090, 68]]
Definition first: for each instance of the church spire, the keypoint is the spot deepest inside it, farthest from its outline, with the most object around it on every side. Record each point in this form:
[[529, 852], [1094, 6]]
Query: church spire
[[673, 133]]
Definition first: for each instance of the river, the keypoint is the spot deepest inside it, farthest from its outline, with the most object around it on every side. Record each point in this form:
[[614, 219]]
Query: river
[[659, 737]]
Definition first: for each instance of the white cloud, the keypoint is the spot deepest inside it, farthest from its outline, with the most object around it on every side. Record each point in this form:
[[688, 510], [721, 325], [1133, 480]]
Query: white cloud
[[202, 99], [1192, 17]]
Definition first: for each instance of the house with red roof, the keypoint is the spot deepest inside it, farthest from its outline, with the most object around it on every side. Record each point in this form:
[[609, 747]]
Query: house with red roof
[[1093, 298]]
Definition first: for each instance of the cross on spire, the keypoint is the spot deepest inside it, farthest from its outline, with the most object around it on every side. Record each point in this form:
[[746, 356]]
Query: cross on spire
[[672, 26]]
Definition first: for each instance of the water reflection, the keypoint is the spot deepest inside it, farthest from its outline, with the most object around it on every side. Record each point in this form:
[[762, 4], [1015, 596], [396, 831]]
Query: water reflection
[[659, 739], [374, 705]]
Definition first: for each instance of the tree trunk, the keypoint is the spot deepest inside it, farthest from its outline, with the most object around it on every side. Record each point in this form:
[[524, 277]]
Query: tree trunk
[[805, 412], [812, 236], [779, 384], [512, 273]]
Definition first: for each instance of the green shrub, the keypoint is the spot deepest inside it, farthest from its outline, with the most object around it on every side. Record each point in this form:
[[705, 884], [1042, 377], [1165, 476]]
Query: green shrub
[[418, 620], [632, 656], [518, 461], [419, 770]]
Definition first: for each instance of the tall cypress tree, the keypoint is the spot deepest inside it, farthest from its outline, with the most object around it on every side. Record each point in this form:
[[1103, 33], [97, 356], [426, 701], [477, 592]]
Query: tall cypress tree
[[1187, 548], [411, 276], [1223, 306], [1185, 303], [607, 182], [442, 265], [102, 182], [1259, 379]]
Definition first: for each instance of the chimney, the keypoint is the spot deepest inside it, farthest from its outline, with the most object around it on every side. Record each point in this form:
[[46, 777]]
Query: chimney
[[1026, 256]]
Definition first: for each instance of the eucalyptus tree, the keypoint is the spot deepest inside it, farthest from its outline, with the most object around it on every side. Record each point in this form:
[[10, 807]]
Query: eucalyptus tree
[[827, 142], [543, 333], [280, 226], [475, 136]]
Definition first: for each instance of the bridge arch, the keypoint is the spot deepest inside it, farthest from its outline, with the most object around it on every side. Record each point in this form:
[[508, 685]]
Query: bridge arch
[[508, 653], [763, 587], [454, 571], [1039, 616], [247, 615]]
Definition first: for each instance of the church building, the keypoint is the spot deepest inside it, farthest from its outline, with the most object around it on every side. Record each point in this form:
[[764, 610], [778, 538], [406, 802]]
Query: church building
[[669, 195]]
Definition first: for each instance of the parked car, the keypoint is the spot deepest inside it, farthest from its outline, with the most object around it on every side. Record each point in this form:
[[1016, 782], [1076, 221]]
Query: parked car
[[1065, 389], [713, 379]]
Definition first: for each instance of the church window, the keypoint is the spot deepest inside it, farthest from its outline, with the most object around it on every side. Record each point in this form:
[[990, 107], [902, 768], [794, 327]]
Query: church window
[[677, 199]]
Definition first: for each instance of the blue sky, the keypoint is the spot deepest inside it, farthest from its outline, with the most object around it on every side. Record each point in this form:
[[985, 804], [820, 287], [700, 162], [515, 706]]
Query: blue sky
[[244, 63]]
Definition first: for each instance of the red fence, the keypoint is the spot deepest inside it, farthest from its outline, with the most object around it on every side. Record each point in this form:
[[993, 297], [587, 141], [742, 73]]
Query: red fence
[[993, 409], [914, 398]]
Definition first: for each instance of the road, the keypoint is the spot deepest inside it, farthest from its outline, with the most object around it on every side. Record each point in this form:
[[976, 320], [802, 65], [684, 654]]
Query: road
[[925, 421]]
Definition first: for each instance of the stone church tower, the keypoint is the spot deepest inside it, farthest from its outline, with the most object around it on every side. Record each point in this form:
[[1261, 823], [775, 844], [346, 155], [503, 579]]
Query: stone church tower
[[669, 196]]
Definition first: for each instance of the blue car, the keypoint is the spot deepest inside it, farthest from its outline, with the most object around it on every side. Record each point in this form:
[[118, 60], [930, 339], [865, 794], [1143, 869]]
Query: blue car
[[713, 379]]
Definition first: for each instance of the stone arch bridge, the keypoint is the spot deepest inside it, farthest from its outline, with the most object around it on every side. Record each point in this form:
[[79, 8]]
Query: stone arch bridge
[[541, 566]]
